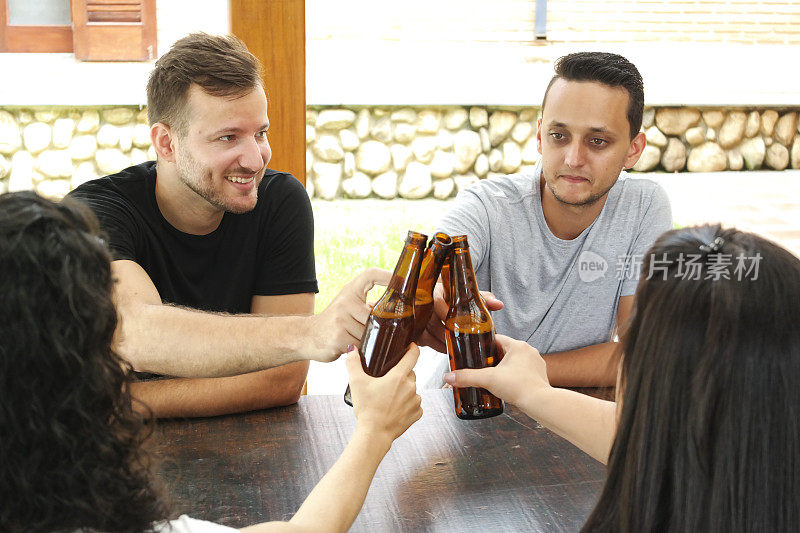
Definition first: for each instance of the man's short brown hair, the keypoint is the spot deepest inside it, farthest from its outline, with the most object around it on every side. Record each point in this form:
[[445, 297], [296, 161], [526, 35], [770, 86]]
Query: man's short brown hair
[[220, 65]]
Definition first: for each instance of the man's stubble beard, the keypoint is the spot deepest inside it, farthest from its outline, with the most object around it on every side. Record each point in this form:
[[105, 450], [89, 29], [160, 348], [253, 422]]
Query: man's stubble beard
[[204, 186]]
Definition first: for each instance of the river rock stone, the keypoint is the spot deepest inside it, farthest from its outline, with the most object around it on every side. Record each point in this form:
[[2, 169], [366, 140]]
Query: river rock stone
[[442, 164], [416, 182], [655, 137], [21, 178], [404, 133], [401, 155], [126, 138], [151, 154], [309, 162], [443, 189], [768, 120], [47, 116], [328, 148], [784, 128], [310, 187], [54, 164], [138, 156], [695, 136], [405, 115], [478, 117], [512, 157], [795, 154], [467, 146], [311, 116], [385, 185], [118, 116], [141, 136], [84, 172], [36, 136], [373, 158], [648, 160], [711, 134], [445, 140], [54, 189], [423, 148], [732, 130], [349, 165], [521, 131], [713, 118], [335, 119], [327, 179], [111, 160], [674, 157], [648, 117], [363, 122], [481, 167], [108, 136], [382, 129], [753, 151], [500, 124], [486, 145], [62, 132], [708, 157], [675, 121], [5, 166], [735, 159], [141, 117], [777, 156], [753, 124], [10, 139], [358, 186], [24, 117], [530, 152], [495, 160], [454, 119], [429, 122], [311, 133], [465, 180]]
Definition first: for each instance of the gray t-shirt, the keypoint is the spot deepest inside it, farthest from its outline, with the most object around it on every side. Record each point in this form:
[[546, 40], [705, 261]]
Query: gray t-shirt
[[559, 295]]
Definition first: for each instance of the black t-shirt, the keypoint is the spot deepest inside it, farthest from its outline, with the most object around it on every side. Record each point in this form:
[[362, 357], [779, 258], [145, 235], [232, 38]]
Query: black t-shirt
[[267, 251]]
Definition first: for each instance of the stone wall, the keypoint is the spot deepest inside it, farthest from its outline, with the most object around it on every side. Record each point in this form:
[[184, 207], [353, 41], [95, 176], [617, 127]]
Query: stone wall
[[390, 152], [415, 153]]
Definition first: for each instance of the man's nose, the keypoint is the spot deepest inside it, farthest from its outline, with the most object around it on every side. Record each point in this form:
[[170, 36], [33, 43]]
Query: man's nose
[[252, 156], [575, 156]]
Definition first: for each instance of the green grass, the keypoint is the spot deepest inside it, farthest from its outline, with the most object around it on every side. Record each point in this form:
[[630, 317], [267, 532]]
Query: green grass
[[351, 235]]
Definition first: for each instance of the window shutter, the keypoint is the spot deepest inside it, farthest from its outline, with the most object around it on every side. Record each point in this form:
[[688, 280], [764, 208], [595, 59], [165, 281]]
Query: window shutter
[[114, 30]]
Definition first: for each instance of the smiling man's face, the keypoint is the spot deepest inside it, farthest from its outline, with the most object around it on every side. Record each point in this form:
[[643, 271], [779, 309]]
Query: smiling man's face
[[584, 138], [224, 152]]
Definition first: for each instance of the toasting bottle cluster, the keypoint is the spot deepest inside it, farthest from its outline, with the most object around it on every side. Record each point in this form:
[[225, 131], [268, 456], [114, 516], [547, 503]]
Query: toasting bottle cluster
[[403, 312]]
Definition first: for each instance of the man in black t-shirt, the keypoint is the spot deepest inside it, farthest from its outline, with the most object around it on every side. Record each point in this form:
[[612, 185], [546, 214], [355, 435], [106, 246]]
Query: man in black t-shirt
[[207, 239]]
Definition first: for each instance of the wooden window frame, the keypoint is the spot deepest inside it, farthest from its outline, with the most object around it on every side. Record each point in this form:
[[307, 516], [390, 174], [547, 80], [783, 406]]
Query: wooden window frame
[[88, 40]]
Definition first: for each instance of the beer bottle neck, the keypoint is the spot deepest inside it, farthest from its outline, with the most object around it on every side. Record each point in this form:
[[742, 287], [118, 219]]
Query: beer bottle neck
[[403, 284], [432, 264], [465, 286]]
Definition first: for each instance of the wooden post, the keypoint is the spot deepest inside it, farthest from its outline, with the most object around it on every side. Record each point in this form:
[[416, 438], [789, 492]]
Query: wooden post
[[274, 31]]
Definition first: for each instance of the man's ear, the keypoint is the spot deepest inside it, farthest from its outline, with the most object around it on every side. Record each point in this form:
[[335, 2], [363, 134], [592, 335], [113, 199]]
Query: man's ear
[[539, 135], [163, 139], [635, 150]]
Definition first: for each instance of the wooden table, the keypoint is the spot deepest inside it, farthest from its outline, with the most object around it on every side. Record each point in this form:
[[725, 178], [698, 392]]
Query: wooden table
[[500, 474]]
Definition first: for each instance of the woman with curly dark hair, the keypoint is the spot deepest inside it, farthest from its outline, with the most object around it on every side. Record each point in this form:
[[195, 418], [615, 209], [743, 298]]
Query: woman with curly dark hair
[[705, 433], [71, 454]]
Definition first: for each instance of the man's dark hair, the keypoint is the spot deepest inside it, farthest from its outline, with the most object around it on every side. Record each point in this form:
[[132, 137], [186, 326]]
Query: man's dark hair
[[609, 69], [220, 65], [708, 429], [71, 442]]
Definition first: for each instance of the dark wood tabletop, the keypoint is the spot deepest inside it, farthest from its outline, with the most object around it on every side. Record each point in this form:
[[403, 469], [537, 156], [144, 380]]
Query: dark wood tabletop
[[505, 473]]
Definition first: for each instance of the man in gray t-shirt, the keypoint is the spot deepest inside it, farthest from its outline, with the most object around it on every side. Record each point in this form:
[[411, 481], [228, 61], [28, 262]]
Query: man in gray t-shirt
[[562, 247]]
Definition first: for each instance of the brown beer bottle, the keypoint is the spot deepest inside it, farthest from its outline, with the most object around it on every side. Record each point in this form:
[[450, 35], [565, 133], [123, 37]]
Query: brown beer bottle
[[432, 262], [390, 326], [469, 331]]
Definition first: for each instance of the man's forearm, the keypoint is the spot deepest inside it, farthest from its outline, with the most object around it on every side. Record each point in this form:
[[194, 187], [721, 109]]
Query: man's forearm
[[191, 397], [591, 366], [182, 342]]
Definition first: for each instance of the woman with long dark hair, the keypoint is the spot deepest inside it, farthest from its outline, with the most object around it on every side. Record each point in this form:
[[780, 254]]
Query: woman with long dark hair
[[705, 433], [71, 454]]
